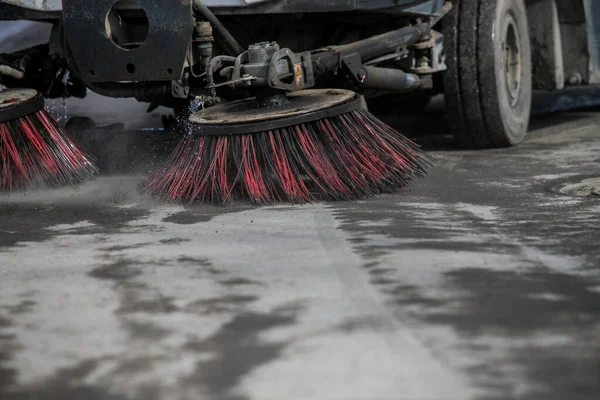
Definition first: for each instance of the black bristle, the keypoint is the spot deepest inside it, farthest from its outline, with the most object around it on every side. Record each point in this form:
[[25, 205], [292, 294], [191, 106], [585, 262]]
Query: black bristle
[[345, 157], [35, 151]]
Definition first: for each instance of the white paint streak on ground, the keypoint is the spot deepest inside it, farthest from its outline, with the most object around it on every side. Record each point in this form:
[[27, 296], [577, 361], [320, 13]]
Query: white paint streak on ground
[[594, 289], [502, 185], [486, 213], [383, 222], [552, 177], [559, 202], [65, 228]]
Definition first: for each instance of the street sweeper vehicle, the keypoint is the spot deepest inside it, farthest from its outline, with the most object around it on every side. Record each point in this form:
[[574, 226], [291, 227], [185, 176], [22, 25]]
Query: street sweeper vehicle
[[271, 93]]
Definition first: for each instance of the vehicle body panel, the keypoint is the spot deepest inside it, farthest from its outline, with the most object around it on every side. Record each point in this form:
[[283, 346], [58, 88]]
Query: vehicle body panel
[[592, 9], [572, 56], [39, 5], [417, 7]]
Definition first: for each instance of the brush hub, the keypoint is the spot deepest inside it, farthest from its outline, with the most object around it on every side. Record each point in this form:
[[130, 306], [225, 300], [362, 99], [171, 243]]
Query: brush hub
[[247, 116], [17, 103]]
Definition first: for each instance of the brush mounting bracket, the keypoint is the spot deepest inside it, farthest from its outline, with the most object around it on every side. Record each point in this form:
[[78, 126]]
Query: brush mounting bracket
[[290, 71], [265, 64]]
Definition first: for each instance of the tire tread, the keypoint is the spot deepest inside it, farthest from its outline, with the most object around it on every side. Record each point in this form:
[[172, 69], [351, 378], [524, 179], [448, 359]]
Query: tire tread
[[472, 101]]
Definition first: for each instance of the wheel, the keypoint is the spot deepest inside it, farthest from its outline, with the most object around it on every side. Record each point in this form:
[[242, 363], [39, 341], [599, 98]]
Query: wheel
[[487, 84]]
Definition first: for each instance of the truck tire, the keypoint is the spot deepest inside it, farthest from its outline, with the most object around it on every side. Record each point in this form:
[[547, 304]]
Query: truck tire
[[487, 84]]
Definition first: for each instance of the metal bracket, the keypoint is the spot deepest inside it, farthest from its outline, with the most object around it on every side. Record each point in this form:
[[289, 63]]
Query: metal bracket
[[100, 45], [353, 65], [284, 70], [290, 71], [179, 91], [426, 57], [237, 66]]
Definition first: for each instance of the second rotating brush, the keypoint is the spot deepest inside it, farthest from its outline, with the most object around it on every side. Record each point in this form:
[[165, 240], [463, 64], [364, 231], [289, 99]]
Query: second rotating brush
[[35, 151]]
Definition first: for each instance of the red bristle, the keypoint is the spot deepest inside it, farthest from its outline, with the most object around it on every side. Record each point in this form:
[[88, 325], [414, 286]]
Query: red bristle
[[187, 162], [36, 151], [294, 188], [355, 157], [252, 176], [326, 176], [346, 157], [220, 180]]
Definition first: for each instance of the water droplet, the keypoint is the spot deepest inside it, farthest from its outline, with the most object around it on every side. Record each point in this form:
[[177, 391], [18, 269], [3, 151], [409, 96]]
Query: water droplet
[[58, 109]]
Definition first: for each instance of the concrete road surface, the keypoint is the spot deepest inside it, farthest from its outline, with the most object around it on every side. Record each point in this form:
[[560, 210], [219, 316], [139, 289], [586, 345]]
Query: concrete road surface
[[482, 282]]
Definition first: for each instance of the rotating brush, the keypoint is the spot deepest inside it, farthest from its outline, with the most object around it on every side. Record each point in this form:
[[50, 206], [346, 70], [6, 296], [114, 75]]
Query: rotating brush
[[308, 145], [34, 149]]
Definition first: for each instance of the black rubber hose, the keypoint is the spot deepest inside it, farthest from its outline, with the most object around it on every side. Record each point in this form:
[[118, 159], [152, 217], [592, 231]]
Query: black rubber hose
[[329, 59], [232, 45], [379, 45], [389, 79], [214, 63], [142, 92]]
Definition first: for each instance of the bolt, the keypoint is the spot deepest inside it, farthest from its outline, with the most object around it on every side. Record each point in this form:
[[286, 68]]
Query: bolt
[[574, 79], [362, 75]]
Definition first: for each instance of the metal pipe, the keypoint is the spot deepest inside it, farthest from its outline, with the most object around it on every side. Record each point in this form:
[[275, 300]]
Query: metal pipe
[[114, 90], [141, 92], [379, 45], [445, 10], [12, 72], [329, 59], [232, 44], [210, 70], [389, 79]]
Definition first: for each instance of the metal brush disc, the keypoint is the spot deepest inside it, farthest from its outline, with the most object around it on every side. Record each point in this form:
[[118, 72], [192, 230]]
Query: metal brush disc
[[245, 116], [17, 103]]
